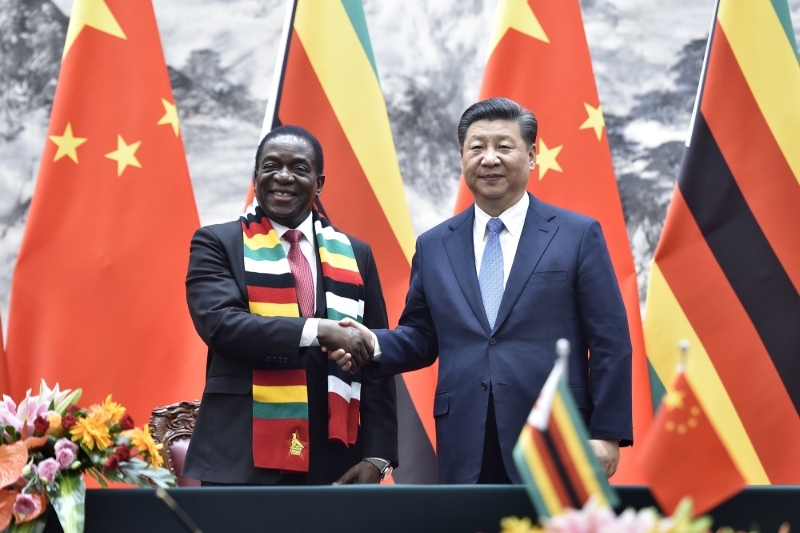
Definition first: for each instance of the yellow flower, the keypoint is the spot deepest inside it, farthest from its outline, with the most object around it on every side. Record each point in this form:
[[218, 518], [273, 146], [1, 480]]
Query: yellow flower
[[92, 431], [55, 423], [143, 440], [512, 524], [114, 409], [110, 410]]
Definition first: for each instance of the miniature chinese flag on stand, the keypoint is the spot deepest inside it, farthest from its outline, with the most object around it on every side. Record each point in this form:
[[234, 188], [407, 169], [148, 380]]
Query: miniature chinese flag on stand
[[98, 298], [539, 58], [683, 455]]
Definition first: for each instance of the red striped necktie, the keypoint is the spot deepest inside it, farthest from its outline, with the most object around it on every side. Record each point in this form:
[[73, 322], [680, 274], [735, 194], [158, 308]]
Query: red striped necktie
[[301, 272]]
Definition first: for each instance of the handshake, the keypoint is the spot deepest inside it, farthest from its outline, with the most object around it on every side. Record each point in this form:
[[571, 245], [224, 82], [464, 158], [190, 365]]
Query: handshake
[[347, 342]]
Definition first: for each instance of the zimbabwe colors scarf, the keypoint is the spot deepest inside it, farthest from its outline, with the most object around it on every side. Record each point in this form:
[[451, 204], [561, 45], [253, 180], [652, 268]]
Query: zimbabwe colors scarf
[[280, 397]]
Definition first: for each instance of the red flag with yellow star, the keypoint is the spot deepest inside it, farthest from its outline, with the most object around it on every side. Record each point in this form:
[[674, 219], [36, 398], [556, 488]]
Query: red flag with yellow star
[[3, 380], [98, 298], [539, 58], [682, 454]]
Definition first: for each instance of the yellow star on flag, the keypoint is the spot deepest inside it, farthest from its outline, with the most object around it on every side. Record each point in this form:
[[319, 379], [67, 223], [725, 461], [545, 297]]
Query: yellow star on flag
[[95, 14], [595, 120], [170, 116], [125, 155], [67, 144], [673, 399], [516, 14], [547, 158]]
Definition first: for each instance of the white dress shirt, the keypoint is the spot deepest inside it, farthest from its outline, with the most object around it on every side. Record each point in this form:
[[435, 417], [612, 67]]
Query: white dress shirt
[[513, 219], [309, 250]]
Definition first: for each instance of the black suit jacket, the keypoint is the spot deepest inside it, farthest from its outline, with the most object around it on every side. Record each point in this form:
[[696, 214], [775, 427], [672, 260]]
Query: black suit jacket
[[238, 342]]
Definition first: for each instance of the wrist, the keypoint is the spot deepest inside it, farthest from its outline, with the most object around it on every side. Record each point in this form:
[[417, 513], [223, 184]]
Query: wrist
[[383, 466]]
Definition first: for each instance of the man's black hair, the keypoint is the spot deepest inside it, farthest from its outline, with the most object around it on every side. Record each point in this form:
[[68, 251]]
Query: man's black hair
[[298, 132], [499, 109]]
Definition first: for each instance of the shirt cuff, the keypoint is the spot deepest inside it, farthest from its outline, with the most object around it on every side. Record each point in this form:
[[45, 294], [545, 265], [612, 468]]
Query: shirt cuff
[[376, 348], [309, 335]]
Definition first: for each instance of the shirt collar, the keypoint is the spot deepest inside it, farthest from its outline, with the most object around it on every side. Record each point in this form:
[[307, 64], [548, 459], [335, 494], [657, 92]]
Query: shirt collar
[[306, 227], [513, 218]]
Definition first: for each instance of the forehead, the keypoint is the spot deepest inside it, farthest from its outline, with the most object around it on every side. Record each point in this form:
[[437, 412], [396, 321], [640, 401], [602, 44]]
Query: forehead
[[288, 147], [483, 129]]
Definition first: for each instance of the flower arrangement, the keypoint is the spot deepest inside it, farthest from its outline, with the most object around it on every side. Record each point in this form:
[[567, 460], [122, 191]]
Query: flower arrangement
[[49, 442], [596, 518]]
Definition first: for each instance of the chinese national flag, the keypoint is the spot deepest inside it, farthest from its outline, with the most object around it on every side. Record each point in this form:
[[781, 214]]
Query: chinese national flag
[[682, 454], [98, 298], [539, 58], [3, 380]]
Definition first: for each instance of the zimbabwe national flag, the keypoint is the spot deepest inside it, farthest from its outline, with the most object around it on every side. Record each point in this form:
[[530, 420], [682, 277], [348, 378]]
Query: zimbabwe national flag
[[726, 272], [539, 58], [98, 299], [326, 82], [553, 456]]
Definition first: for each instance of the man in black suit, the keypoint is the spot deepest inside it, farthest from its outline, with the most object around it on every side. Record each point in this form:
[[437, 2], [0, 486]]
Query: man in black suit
[[244, 342]]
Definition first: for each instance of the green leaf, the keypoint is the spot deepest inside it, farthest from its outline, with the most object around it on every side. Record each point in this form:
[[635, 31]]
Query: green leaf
[[69, 501], [138, 472]]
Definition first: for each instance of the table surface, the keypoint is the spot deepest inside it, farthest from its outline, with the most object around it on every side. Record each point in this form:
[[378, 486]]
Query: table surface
[[380, 509]]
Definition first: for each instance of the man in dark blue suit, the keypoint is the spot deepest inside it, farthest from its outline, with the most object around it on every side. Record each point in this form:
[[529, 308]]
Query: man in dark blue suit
[[491, 291]]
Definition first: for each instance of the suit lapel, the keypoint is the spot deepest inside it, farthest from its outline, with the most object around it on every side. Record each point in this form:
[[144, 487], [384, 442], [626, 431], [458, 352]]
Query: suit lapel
[[461, 253], [537, 232]]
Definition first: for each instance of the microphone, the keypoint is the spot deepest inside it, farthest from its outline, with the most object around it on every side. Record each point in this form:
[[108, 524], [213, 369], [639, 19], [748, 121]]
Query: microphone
[[164, 496]]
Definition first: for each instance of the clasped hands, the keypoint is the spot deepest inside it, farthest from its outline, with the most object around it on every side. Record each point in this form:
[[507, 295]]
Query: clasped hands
[[348, 343]]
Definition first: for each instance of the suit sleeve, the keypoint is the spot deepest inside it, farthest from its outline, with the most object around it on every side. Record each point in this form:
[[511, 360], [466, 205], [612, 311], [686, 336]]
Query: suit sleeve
[[604, 323], [222, 317], [378, 398], [414, 344]]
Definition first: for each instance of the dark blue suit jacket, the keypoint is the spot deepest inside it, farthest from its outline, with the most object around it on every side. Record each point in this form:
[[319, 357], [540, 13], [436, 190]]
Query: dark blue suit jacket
[[562, 284]]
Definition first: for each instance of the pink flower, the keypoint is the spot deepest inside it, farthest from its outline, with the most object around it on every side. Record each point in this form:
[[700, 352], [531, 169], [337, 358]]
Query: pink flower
[[65, 452], [66, 443], [24, 505], [47, 470]]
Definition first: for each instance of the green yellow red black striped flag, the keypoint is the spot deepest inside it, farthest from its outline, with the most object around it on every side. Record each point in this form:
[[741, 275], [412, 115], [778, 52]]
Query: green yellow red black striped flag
[[726, 272], [326, 81], [553, 456]]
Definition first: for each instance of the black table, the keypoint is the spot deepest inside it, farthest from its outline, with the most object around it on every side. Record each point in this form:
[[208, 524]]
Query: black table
[[381, 509]]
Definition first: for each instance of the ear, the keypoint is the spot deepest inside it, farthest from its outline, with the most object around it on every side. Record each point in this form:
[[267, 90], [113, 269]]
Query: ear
[[532, 156], [320, 183]]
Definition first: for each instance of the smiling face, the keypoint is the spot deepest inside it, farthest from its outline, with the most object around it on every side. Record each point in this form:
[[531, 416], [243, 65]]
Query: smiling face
[[286, 180], [496, 163]]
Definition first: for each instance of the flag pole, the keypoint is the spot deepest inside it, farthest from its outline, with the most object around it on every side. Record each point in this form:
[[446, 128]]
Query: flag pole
[[562, 350]]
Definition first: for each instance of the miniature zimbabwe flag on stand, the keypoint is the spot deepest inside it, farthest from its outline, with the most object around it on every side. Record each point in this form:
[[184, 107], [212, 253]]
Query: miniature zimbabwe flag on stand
[[553, 456]]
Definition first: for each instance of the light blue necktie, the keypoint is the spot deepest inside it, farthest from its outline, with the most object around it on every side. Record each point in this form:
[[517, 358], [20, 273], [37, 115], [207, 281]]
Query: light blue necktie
[[491, 275]]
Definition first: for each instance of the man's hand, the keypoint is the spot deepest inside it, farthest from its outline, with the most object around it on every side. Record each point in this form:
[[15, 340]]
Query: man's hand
[[607, 452], [363, 472], [352, 348]]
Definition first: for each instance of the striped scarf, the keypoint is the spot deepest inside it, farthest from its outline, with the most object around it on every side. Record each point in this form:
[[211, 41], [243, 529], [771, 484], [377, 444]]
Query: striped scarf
[[280, 397]]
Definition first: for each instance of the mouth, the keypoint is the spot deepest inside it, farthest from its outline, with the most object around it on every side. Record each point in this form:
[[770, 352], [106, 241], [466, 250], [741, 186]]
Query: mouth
[[491, 177], [283, 195]]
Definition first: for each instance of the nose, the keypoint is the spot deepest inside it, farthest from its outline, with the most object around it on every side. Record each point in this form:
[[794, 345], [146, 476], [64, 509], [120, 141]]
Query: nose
[[489, 157], [283, 174]]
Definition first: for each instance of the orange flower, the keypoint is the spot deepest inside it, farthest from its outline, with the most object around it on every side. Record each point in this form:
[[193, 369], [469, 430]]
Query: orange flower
[[92, 431]]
